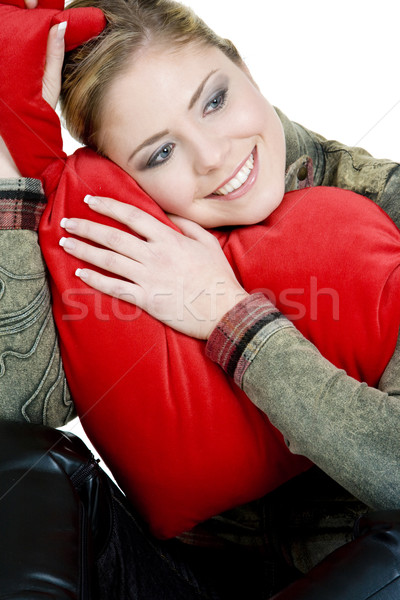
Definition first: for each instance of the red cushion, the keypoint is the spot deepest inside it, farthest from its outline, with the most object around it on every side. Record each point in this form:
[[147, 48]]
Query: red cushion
[[182, 440]]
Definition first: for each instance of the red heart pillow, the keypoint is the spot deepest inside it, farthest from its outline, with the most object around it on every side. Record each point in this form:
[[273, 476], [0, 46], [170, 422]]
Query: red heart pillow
[[182, 440]]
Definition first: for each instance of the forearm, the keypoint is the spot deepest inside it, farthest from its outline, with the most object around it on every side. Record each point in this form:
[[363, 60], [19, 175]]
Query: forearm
[[345, 427], [32, 380]]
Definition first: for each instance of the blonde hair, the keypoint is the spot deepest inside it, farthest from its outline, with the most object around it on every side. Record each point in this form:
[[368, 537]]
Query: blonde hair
[[131, 25]]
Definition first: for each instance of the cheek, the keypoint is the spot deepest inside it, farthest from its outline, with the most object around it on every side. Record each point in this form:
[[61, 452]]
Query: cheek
[[252, 115], [171, 193]]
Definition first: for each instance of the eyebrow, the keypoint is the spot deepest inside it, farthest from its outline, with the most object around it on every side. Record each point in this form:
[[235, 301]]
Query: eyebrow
[[200, 89], [157, 136], [151, 140]]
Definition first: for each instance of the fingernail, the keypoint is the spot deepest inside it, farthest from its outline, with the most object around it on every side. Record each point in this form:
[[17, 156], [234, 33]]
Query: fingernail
[[61, 31], [67, 243], [68, 224], [90, 200], [81, 274]]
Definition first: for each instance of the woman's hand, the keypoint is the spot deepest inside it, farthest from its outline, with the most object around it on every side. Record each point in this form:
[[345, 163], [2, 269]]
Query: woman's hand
[[51, 86], [184, 281], [28, 123]]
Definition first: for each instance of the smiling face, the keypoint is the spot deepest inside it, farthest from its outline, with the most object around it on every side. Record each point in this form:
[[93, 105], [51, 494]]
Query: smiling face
[[192, 128]]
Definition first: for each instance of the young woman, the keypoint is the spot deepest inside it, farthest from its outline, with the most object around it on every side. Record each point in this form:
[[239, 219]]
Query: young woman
[[247, 141]]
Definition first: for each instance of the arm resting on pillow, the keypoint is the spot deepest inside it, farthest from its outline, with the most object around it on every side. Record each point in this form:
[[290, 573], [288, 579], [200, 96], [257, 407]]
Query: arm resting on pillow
[[348, 429]]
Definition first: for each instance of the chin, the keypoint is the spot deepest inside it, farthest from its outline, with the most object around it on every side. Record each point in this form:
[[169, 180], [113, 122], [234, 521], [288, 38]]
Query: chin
[[271, 205], [262, 213]]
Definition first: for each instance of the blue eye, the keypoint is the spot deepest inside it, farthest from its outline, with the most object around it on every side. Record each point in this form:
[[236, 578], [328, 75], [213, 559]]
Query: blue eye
[[161, 155], [216, 102]]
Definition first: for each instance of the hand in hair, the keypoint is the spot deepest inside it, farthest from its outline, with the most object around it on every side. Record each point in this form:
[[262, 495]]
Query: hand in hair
[[185, 281], [54, 57], [24, 37]]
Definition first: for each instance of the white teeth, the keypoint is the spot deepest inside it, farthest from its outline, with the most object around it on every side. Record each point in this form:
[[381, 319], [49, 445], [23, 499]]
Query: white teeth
[[239, 179], [242, 175]]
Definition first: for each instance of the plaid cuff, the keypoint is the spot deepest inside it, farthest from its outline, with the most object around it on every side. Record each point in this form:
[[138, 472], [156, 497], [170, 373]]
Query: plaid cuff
[[22, 202], [240, 334]]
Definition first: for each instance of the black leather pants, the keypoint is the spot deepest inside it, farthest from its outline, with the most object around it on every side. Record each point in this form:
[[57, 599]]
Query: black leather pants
[[62, 525], [368, 568], [53, 512]]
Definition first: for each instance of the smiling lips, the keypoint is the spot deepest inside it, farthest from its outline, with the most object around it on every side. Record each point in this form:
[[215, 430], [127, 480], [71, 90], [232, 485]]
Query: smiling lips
[[236, 186]]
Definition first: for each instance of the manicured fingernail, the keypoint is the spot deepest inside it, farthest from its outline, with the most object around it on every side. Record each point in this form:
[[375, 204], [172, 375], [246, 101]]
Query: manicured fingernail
[[81, 274], [67, 243], [90, 200], [61, 31], [68, 224]]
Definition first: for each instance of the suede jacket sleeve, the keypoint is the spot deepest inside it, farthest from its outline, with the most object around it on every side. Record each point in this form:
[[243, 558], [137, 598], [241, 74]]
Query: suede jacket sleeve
[[32, 381], [349, 430], [337, 165]]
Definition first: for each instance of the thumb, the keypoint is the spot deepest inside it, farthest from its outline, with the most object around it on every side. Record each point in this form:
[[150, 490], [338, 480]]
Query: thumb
[[54, 61]]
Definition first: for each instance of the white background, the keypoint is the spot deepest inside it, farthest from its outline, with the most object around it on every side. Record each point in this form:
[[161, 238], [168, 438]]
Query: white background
[[331, 66]]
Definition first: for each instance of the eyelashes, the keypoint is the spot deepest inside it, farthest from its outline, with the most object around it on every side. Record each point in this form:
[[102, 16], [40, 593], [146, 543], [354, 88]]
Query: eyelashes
[[161, 155], [217, 102], [165, 152]]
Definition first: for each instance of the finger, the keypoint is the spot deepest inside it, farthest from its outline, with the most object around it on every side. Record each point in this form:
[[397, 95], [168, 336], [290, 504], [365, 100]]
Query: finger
[[117, 288], [104, 259], [191, 229], [136, 219], [31, 3], [54, 62], [110, 237]]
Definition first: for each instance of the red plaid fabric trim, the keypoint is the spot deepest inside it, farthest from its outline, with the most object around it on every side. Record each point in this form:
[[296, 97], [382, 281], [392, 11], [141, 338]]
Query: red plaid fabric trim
[[22, 203], [235, 341]]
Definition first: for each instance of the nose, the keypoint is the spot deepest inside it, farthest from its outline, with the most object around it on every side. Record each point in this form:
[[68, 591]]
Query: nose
[[210, 151]]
